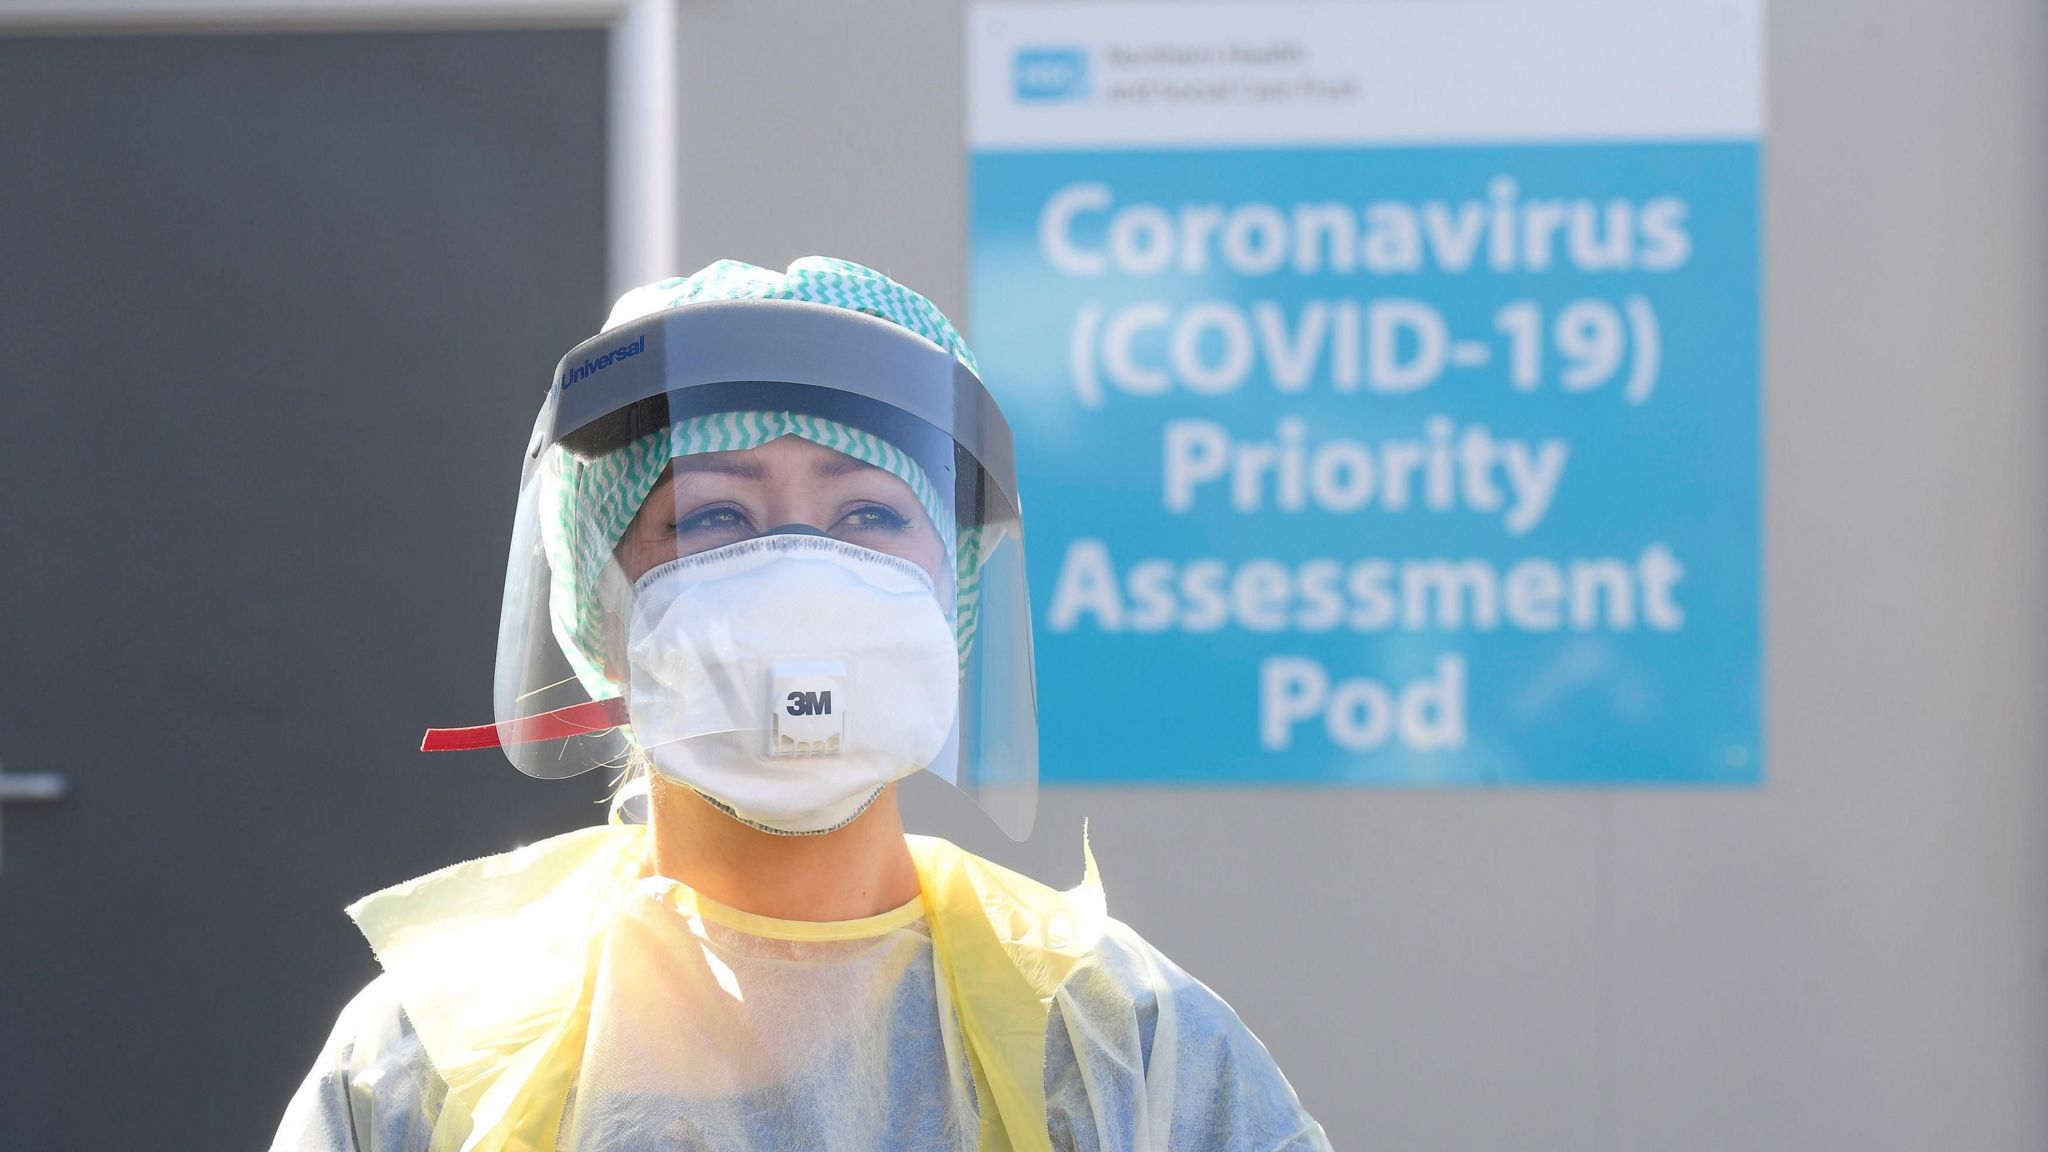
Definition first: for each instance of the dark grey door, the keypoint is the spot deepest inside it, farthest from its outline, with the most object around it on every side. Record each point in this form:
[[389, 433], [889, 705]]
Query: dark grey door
[[276, 313]]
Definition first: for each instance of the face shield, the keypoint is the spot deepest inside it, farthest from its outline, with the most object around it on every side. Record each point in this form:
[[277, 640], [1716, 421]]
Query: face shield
[[770, 548]]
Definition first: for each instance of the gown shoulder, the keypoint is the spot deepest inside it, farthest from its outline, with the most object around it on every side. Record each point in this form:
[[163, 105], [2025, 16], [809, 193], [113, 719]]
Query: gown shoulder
[[1140, 1054], [372, 1088]]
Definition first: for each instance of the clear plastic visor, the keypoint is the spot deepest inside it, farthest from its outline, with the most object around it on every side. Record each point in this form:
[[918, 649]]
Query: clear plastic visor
[[787, 586]]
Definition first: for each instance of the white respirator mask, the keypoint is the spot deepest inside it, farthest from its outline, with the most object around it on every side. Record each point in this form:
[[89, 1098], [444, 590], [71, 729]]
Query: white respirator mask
[[790, 677]]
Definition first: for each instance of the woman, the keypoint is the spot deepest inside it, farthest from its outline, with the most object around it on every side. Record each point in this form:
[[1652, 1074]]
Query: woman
[[768, 562]]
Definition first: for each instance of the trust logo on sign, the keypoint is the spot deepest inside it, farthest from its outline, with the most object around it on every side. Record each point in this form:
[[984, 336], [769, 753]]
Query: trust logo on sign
[[1046, 74]]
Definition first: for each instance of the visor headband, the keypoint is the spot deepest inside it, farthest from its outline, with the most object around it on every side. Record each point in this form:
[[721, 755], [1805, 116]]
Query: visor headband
[[780, 342]]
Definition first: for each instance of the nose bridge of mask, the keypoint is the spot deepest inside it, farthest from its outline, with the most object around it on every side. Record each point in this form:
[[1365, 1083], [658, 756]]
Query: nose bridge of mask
[[812, 530], [826, 562]]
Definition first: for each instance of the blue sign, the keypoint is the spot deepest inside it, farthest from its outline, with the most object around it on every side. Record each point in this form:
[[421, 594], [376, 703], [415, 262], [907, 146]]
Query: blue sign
[[1394, 463]]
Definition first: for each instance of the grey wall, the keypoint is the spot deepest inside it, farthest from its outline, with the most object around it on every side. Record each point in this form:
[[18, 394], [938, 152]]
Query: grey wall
[[275, 313], [1855, 956]]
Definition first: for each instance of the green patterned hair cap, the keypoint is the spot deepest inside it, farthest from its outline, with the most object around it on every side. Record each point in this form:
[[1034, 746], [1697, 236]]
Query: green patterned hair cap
[[586, 504], [814, 279]]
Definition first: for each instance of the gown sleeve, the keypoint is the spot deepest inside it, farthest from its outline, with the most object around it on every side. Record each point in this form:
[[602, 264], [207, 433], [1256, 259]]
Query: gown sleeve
[[1141, 1055], [372, 1089]]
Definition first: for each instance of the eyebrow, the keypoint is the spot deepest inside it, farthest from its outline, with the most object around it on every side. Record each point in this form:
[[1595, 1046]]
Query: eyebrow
[[724, 465], [841, 464]]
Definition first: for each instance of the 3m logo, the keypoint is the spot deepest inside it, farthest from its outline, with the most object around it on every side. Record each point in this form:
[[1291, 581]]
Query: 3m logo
[[801, 716], [810, 704], [1046, 74]]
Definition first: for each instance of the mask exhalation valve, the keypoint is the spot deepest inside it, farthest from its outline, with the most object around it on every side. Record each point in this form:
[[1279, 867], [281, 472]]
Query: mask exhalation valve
[[807, 703]]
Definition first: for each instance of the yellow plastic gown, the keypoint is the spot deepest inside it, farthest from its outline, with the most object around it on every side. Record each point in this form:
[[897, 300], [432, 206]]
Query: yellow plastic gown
[[555, 997]]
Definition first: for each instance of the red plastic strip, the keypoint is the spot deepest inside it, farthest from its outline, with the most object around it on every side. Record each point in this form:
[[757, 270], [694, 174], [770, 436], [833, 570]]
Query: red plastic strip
[[576, 720]]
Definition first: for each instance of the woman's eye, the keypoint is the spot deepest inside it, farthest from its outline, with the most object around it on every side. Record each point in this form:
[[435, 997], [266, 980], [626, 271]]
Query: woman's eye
[[717, 519], [877, 516]]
